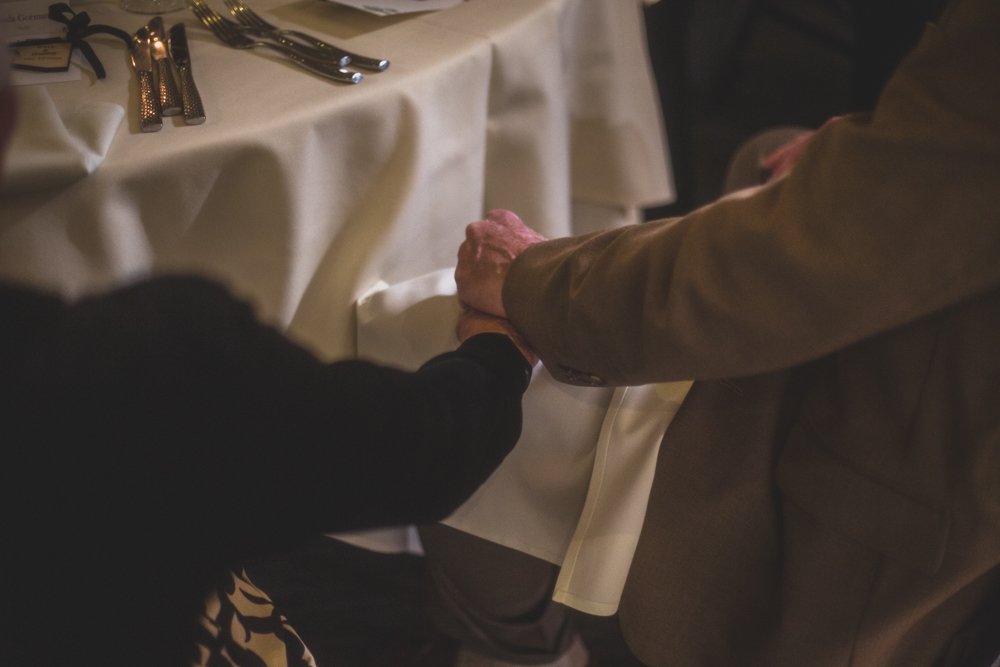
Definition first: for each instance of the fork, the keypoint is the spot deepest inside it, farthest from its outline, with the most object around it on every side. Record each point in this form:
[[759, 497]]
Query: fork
[[248, 17], [231, 35], [216, 21]]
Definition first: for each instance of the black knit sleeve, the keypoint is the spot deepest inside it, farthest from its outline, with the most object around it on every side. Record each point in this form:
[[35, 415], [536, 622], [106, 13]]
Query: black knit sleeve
[[199, 403]]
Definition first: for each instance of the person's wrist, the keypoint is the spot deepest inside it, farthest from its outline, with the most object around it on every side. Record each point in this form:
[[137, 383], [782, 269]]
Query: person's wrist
[[503, 354]]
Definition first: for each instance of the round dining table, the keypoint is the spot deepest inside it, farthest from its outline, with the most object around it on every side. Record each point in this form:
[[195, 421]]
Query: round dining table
[[337, 210], [299, 193]]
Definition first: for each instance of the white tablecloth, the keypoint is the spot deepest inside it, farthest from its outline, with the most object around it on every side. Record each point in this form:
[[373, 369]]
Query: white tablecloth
[[300, 194]]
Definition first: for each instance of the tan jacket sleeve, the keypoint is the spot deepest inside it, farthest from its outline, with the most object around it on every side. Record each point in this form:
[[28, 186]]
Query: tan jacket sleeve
[[886, 218]]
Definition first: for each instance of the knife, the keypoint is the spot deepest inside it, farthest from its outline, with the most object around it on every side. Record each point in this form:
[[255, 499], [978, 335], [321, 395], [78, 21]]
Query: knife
[[170, 97], [194, 113], [149, 103]]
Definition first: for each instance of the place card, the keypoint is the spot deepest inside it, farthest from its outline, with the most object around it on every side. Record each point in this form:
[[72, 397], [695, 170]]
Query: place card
[[391, 7], [52, 57], [27, 19], [22, 20]]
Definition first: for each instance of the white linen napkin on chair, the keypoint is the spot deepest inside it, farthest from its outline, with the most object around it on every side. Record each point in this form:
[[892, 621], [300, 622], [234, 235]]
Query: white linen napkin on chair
[[53, 146], [574, 489]]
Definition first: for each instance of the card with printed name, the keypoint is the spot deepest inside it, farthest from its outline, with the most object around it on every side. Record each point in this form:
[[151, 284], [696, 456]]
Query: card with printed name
[[25, 19], [37, 61]]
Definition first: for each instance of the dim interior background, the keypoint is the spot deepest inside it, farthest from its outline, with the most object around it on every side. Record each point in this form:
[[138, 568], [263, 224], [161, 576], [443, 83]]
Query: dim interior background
[[726, 69]]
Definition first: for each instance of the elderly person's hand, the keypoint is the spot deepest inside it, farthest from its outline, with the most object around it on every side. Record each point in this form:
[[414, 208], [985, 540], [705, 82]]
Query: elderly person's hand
[[472, 322], [783, 159], [490, 247]]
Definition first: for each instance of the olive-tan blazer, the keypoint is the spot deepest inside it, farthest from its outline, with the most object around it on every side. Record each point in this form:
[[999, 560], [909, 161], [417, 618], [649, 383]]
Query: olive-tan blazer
[[829, 493]]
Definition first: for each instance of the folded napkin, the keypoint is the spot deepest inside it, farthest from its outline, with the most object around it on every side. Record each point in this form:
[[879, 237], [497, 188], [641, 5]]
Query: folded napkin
[[54, 146], [574, 489]]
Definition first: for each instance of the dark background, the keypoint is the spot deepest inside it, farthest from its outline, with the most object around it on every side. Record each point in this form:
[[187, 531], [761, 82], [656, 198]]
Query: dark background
[[727, 69]]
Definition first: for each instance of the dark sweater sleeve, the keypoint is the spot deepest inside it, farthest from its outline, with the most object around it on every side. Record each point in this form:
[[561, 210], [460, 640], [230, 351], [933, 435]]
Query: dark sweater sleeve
[[158, 434], [196, 403]]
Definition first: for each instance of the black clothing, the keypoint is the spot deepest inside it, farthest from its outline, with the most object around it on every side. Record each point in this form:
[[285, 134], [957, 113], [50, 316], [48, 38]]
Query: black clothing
[[159, 433]]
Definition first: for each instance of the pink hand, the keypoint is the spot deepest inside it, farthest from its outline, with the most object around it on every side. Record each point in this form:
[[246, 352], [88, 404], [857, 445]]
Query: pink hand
[[491, 245], [785, 157]]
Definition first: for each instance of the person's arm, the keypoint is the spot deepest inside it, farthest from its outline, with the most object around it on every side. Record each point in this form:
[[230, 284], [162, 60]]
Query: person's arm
[[884, 218], [184, 388]]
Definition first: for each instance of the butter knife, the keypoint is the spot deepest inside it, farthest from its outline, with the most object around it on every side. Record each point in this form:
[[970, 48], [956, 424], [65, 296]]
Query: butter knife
[[170, 97], [194, 113], [150, 119]]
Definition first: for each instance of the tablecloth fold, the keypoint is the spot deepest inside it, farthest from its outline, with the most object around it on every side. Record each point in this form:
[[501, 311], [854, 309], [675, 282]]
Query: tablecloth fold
[[55, 145]]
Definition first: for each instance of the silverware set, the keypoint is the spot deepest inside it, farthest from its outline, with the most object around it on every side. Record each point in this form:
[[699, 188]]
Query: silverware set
[[250, 30], [162, 64]]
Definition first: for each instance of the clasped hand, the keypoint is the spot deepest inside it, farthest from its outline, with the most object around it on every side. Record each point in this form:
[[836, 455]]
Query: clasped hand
[[491, 245]]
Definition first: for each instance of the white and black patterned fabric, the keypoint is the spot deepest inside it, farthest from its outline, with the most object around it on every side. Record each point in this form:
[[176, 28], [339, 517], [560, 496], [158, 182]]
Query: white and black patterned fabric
[[240, 627]]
